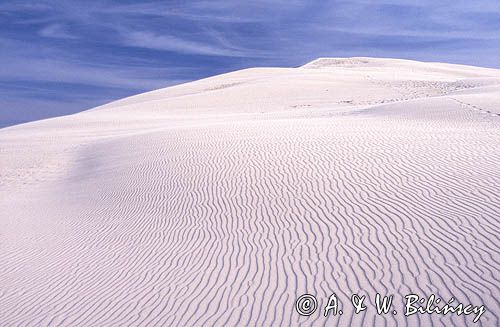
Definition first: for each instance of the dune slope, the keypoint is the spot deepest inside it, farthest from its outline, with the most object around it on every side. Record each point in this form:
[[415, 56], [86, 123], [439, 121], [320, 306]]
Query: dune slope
[[219, 202]]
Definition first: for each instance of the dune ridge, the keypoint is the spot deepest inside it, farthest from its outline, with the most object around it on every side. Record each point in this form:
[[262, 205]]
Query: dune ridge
[[219, 202]]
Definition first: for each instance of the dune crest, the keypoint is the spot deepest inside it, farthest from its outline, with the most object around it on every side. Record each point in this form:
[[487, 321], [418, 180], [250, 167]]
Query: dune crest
[[219, 202]]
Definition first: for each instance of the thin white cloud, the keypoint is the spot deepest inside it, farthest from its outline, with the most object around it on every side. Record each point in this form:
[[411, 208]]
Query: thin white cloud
[[57, 31], [62, 67], [152, 40], [60, 71]]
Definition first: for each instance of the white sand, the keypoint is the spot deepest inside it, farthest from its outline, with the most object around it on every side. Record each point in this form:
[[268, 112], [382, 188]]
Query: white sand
[[219, 202]]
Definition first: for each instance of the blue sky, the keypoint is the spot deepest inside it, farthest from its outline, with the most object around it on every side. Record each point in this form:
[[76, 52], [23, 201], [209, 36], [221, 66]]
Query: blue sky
[[64, 56]]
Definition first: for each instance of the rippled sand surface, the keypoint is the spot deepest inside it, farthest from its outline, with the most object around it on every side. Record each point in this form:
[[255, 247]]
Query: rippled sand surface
[[219, 202]]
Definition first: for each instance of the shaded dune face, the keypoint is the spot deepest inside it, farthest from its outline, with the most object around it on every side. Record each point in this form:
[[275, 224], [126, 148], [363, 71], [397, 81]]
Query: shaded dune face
[[220, 202]]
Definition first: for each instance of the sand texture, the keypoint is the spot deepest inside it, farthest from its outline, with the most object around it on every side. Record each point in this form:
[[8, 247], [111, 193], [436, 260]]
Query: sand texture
[[219, 202]]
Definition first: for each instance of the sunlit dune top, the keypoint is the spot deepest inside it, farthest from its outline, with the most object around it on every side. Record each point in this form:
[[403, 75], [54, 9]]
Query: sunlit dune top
[[340, 62], [354, 62], [363, 62]]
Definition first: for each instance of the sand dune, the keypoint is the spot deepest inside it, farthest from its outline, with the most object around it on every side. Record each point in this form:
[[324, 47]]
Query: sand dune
[[219, 202]]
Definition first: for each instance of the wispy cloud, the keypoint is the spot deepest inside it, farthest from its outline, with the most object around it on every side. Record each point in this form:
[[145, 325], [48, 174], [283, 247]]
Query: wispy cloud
[[62, 66], [57, 31], [171, 43]]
